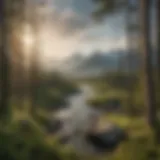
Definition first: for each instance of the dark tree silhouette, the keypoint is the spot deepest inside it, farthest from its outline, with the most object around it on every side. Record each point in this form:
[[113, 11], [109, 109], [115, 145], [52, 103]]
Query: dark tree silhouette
[[11, 14], [4, 61], [16, 20], [158, 68], [34, 59], [147, 64], [158, 40]]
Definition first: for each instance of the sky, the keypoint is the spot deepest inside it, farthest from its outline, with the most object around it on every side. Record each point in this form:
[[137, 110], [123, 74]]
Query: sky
[[67, 27], [70, 28]]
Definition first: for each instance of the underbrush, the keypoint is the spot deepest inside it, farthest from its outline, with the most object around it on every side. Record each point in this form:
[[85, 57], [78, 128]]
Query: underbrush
[[140, 145]]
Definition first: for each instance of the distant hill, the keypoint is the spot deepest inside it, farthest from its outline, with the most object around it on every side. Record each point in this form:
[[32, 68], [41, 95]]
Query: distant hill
[[100, 62]]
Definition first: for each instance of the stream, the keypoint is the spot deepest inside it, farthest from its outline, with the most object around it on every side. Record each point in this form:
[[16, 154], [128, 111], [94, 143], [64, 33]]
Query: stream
[[79, 118]]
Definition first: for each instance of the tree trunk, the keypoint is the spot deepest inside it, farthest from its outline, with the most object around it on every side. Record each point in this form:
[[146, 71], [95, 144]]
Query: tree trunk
[[5, 84], [147, 64], [158, 54], [158, 40], [34, 82], [34, 66], [157, 87]]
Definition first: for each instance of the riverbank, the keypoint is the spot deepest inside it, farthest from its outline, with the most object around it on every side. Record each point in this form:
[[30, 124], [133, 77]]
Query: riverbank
[[140, 145], [78, 117]]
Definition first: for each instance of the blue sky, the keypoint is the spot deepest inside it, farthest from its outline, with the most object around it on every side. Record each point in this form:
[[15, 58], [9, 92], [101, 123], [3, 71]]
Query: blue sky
[[66, 27], [69, 28]]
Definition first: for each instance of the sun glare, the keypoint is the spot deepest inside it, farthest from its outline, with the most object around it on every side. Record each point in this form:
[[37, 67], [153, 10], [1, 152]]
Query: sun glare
[[28, 38]]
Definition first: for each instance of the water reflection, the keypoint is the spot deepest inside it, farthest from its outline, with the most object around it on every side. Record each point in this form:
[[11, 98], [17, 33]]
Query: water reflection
[[78, 119]]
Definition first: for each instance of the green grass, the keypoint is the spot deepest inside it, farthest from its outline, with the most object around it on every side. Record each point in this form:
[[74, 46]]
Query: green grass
[[105, 93], [132, 124], [102, 99], [140, 145]]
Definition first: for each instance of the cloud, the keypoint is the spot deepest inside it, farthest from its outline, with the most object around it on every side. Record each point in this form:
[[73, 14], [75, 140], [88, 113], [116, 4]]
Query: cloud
[[73, 23], [65, 28], [60, 31], [104, 44], [67, 21]]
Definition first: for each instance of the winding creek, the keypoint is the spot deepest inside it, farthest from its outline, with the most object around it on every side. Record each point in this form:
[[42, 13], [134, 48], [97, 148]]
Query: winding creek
[[78, 118]]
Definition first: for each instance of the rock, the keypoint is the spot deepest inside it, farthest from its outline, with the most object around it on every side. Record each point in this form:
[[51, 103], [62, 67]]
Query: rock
[[54, 126], [64, 139], [107, 140]]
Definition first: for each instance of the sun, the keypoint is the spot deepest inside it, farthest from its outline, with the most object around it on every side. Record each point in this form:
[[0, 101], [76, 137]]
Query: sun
[[28, 38]]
